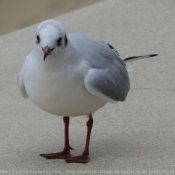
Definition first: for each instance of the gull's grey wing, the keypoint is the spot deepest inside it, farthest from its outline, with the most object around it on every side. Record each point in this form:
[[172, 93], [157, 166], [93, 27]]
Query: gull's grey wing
[[108, 77], [106, 85], [21, 85]]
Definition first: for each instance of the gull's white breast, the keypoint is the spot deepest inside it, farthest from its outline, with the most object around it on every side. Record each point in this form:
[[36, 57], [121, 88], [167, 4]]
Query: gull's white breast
[[59, 89]]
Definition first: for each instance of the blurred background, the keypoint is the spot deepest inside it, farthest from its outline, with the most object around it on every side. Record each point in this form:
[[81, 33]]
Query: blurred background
[[17, 14]]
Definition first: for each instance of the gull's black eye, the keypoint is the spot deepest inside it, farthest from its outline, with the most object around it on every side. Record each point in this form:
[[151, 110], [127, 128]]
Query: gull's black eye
[[59, 41], [38, 39]]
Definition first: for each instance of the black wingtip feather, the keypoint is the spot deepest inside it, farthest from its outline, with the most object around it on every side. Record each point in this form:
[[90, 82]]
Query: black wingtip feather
[[137, 57], [153, 55]]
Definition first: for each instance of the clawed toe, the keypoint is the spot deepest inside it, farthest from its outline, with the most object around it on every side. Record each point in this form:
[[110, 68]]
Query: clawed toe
[[60, 155], [78, 159]]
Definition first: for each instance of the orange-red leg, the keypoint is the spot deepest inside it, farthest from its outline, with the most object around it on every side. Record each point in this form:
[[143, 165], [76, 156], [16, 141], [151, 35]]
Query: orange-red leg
[[83, 158], [66, 151]]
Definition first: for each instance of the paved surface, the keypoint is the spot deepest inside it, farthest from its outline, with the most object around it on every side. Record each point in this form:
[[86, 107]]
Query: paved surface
[[134, 137]]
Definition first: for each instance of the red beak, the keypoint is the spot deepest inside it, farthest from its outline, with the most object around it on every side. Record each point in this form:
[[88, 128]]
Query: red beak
[[47, 51]]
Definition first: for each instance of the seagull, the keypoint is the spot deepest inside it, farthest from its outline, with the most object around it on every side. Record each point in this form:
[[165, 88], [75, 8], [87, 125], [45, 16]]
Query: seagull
[[73, 75]]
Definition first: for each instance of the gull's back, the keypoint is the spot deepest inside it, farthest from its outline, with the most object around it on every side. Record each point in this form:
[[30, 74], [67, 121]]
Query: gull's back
[[108, 77]]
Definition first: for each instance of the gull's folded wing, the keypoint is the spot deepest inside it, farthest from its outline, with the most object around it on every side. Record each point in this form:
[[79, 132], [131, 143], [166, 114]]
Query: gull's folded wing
[[106, 86]]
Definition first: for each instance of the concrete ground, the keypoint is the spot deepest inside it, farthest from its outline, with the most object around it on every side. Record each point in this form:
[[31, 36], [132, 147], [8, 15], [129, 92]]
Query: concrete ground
[[134, 137]]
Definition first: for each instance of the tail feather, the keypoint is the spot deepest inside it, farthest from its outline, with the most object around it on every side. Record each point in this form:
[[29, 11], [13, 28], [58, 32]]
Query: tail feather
[[133, 58]]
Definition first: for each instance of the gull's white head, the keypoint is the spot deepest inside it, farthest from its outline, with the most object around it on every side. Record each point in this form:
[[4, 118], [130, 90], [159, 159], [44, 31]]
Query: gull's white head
[[50, 35]]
